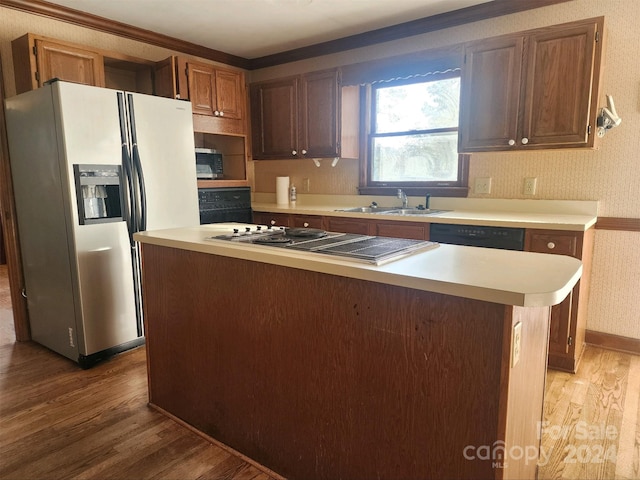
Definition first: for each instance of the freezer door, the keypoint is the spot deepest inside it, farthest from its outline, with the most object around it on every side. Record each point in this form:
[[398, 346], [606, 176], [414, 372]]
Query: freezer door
[[41, 217], [101, 253], [164, 134]]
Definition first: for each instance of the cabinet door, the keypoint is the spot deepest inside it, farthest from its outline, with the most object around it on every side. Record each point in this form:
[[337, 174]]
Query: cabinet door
[[202, 90], [319, 119], [417, 231], [560, 328], [274, 119], [164, 80], [490, 94], [229, 94], [68, 63], [558, 87]]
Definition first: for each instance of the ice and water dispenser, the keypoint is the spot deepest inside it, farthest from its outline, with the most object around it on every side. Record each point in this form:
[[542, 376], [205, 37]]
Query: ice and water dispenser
[[99, 193]]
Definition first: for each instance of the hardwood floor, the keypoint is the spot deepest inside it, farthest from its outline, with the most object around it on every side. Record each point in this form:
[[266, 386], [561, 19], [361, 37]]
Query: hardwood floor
[[592, 428], [58, 421]]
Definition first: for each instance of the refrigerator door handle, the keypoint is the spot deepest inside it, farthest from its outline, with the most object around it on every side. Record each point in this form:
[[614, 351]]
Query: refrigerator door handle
[[137, 168], [129, 207]]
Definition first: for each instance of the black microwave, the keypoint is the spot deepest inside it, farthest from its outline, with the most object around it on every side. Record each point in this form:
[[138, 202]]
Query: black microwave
[[208, 164]]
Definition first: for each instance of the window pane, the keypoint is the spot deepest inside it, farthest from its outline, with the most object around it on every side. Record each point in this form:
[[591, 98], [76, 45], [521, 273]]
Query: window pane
[[415, 158], [418, 106]]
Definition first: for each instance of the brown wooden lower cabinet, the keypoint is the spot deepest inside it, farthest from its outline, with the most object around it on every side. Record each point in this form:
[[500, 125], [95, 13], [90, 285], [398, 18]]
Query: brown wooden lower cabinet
[[569, 318], [320, 377], [397, 229]]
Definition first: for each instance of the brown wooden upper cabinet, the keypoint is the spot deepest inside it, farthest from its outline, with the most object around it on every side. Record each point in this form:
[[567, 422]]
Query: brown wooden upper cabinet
[[213, 92], [38, 60], [299, 116], [533, 90]]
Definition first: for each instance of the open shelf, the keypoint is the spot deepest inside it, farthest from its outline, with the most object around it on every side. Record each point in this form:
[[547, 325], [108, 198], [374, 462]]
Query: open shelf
[[234, 158]]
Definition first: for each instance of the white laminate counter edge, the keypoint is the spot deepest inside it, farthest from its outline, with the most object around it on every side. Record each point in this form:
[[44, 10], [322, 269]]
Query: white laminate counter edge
[[498, 276], [571, 215], [541, 221]]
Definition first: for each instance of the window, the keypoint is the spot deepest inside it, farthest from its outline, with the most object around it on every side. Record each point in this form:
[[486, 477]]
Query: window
[[413, 135]]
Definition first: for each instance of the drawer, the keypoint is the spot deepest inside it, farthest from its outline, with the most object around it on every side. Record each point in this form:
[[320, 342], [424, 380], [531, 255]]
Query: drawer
[[275, 219], [346, 225], [417, 231], [307, 221], [560, 244]]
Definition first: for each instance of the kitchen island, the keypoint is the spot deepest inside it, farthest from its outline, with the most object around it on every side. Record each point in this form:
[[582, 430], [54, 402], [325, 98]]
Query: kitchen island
[[430, 366]]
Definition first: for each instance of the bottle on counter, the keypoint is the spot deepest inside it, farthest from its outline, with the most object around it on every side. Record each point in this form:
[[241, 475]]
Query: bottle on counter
[[293, 194]]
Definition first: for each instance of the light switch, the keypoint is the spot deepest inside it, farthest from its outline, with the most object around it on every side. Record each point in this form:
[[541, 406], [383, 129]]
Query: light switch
[[516, 344]]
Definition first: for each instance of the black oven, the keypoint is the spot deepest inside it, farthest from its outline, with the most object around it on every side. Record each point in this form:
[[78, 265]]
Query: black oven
[[228, 204]]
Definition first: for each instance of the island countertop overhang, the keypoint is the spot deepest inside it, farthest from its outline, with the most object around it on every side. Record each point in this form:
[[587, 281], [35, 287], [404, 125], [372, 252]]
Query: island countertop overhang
[[500, 276]]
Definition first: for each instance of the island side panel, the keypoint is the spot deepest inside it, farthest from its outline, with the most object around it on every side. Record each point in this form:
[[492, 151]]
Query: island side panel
[[322, 377], [523, 385]]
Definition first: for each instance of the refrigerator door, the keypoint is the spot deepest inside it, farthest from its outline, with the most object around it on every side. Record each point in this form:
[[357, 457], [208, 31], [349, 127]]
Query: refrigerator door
[[164, 137], [101, 252]]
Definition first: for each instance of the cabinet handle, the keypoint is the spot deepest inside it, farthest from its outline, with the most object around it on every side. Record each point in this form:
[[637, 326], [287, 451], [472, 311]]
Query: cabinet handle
[[221, 113], [525, 140], [551, 245], [306, 224], [216, 113], [512, 142], [294, 152], [304, 152], [273, 222]]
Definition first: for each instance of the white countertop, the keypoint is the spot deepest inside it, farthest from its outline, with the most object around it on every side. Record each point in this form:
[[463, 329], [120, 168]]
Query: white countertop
[[538, 214], [498, 276]]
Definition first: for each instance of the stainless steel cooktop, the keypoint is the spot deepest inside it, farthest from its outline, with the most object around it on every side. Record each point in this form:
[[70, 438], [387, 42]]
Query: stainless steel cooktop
[[362, 248]]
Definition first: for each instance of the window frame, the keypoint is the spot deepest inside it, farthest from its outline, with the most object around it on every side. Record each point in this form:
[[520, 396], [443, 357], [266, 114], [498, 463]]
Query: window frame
[[457, 188]]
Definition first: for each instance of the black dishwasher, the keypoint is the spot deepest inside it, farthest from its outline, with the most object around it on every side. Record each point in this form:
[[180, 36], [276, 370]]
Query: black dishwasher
[[506, 238]]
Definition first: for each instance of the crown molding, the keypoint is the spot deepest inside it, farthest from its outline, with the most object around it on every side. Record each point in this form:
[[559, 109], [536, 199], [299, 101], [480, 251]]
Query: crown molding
[[76, 17], [483, 11], [462, 16]]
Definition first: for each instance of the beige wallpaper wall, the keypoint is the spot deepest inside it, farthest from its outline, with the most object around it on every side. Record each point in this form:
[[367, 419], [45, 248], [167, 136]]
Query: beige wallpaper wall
[[610, 175]]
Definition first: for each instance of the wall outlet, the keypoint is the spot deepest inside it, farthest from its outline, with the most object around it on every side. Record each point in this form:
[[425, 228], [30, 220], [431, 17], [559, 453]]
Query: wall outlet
[[305, 185], [516, 343], [530, 185], [482, 185]]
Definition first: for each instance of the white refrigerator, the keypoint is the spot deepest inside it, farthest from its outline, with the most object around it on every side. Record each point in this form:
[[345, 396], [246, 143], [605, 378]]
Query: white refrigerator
[[90, 167]]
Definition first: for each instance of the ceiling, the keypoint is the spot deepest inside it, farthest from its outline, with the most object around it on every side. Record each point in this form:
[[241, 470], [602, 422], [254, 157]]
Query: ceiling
[[257, 28]]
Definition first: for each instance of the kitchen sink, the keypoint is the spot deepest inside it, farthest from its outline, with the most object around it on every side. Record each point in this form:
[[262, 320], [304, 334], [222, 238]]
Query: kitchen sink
[[368, 209], [392, 210], [414, 211]]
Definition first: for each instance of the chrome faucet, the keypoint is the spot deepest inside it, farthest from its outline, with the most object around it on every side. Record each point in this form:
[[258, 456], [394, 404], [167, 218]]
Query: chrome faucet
[[403, 196]]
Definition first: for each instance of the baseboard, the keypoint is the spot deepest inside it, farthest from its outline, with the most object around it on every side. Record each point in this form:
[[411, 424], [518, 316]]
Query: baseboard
[[235, 453], [613, 342]]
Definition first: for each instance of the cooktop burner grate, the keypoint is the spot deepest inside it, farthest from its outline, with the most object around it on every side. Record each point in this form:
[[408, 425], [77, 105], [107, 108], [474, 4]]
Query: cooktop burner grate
[[345, 245]]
